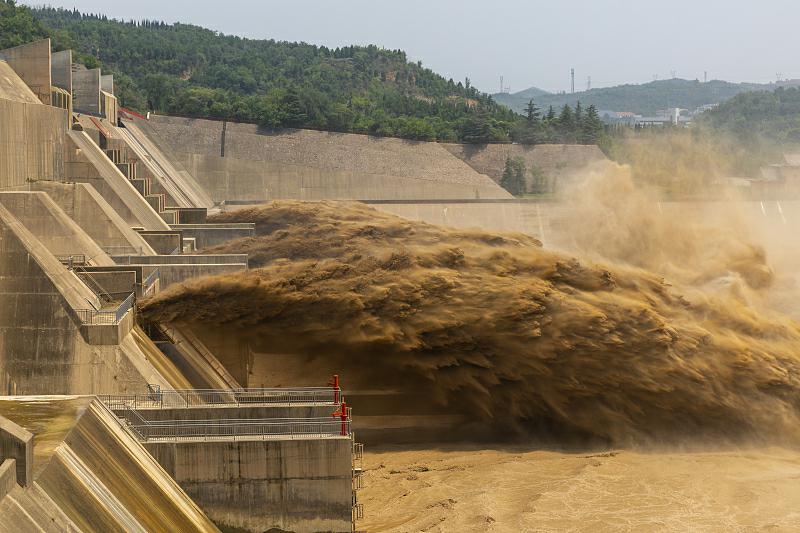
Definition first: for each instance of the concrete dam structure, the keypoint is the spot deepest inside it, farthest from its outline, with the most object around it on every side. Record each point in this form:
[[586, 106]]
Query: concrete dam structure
[[114, 423], [111, 423]]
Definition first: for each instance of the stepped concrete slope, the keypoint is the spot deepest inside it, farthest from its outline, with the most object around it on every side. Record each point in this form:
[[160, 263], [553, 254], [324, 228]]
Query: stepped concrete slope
[[31, 134], [88, 164], [90, 474], [83, 204], [241, 162], [52, 227], [556, 164], [45, 345], [195, 361], [176, 180]]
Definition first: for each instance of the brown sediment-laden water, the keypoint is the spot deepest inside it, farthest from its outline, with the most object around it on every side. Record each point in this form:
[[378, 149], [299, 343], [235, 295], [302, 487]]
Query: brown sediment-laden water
[[650, 329]]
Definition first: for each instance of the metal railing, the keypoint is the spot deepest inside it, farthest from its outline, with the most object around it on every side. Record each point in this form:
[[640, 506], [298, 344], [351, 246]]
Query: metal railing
[[72, 260], [249, 429], [358, 511], [149, 282], [159, 399], [123, 250], [106, 316]]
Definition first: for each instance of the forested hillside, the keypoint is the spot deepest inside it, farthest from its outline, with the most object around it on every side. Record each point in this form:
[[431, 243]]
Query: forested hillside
[[191, 71], [188, 70], [759, 117], [644, 99]]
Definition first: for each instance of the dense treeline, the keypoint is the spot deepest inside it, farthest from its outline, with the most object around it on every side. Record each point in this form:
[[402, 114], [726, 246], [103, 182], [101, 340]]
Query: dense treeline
[[569, 126], [187, 70], [18, 26], [645, 99], [758, 117]]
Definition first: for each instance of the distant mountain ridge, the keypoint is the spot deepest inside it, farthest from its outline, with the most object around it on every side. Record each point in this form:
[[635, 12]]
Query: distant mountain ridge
[[644, 99]]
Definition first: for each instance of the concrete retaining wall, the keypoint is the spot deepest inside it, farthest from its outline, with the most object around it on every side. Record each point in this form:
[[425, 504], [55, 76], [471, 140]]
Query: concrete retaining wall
[[208, 235], [312, 165], [61, 69], [52, 227], [98, 478], [42, 350], [31, 135], [83, 204], [31, 62], [86, 91], [87, 163], [303, 486], [227, 259], [232, 412], [17, 443], [8, 476], [556, 164]]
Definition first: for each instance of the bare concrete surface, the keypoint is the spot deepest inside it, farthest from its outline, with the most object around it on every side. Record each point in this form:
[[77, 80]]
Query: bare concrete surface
[[88, 164], [307, 164], [83, 204], [97, 476], [31, 62]]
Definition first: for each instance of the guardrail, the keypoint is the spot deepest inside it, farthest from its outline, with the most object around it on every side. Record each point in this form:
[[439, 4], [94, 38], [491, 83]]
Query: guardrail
[[173, 430], [71, 260], [149, 282], [123, 250], [107, 317], [158, 399]]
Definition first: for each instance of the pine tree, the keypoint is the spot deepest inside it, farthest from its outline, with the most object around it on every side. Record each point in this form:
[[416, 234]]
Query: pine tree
[[513, 179], [532, 113], [566, 125], [591, 126]]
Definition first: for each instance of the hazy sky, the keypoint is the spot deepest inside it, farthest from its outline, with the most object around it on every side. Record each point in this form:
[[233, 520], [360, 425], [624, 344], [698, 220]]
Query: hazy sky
[[529, 43]]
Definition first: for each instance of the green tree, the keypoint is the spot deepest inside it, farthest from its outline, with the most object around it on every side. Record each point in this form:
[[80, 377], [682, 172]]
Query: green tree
[[477, 129], [532, 113], [513, 179], [18, 25], [591, 126], [566, 125]]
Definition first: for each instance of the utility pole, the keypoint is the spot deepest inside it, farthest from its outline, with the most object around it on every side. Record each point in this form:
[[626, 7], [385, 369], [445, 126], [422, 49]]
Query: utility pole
[[572, 76]]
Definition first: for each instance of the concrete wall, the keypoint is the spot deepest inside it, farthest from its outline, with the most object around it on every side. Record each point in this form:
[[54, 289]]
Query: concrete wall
[[233, 412], [107, 83], [31, 62], [164, 242], [31, 134], [61, 69], [86, 163], [304, 164], [226, 259], [302, 485], [86, 91], [176, 273], [109, 106], [167, 175], [17, 443], [52, 227], [8, 477], [556, 163], [83, 204], [42, 350], [94, 475], [208, 235]]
